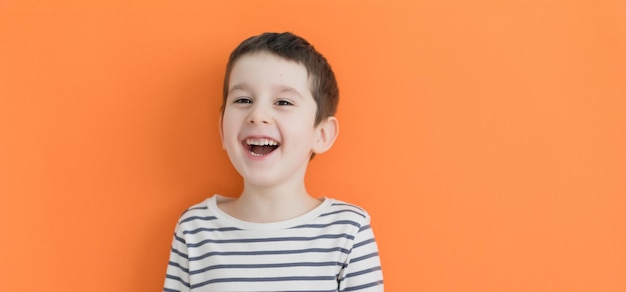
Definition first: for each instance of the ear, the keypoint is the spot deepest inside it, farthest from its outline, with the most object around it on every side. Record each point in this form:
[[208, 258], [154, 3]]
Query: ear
[[327, 132], [220, 123]]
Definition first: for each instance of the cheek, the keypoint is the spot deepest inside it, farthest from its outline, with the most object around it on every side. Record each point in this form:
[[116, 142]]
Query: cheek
[[229, 130], [302, 138]]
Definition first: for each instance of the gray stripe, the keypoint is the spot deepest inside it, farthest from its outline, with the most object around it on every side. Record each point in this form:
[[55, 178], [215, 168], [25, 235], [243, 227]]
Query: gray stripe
[[277, 239], [263, 266], [366, 271], [333, 290], [205, 218], [342, 211], [272, 279], [368, 285], [198, 208], [175, 264], [367, 256], [180, 253], [194, 231], [269, 252], [178, 279], [340, 222], [179, 239], [362, 243]]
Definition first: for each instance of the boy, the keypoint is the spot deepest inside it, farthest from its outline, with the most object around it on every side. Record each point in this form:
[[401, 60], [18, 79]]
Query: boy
[[279, 101]]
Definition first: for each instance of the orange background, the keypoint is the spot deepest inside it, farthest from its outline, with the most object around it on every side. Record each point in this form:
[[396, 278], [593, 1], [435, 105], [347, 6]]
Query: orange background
[[486, 138]]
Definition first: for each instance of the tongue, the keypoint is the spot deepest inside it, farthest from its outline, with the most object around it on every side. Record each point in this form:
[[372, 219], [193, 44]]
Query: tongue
[[262, 149]]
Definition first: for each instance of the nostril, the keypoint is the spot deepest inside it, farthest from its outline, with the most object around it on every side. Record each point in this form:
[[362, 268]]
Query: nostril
[[253, 121]]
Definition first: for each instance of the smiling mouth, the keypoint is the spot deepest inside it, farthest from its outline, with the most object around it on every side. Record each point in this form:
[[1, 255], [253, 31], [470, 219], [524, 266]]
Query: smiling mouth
[[261, 147]]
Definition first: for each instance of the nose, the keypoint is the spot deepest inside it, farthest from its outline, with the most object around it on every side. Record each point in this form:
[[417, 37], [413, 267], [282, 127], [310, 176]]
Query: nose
[[259, 115]]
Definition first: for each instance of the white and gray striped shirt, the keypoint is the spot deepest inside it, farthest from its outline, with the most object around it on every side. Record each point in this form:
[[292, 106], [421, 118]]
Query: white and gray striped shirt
[[331, 248]]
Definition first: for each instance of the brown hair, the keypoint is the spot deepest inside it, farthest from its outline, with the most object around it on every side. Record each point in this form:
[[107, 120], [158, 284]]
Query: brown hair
[[293, 48]]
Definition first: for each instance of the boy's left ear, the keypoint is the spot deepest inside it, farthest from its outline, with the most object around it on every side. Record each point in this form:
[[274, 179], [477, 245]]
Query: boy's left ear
[[220, 124], [327, 132]]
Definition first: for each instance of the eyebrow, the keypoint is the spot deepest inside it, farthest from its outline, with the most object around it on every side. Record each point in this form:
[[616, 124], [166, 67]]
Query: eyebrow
[[287, 89], [281, 89], [241, 86]]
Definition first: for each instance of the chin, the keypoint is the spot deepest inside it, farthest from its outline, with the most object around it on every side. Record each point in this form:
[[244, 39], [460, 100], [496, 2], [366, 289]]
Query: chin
[[259, 179], [259, 183]]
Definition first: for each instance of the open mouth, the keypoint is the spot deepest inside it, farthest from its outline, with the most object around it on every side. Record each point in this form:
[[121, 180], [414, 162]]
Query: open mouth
[[261, 147]]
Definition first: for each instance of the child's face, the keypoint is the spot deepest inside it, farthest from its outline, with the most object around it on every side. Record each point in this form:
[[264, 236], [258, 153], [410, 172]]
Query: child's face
[[268, 124]]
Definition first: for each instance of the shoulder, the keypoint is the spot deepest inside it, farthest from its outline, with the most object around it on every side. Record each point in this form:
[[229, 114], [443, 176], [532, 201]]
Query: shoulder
[[200, 211], [341, 210]]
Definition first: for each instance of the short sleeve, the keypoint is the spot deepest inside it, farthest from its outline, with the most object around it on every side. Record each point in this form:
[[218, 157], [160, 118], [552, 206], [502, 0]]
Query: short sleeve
[[362, 270], [177, 275]]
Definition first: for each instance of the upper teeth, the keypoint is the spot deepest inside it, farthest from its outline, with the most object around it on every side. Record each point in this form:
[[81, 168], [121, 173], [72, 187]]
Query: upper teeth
[[261, 142]]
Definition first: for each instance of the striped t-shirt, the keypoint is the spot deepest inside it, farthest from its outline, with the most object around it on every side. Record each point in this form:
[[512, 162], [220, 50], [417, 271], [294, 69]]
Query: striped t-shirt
[[331, 248]]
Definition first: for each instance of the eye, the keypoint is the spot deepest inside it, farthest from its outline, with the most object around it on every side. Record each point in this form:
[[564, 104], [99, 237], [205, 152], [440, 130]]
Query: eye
[[243, 100], [283, 102]]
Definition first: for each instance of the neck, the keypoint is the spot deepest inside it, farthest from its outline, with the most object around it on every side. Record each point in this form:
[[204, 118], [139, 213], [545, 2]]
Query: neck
[[273, 204]]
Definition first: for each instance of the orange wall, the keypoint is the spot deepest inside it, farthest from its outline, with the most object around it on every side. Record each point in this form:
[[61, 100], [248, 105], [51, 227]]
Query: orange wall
[[486, 138]]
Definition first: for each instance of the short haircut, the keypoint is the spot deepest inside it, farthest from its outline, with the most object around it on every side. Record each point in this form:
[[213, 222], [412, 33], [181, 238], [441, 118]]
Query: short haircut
[[291, 47]]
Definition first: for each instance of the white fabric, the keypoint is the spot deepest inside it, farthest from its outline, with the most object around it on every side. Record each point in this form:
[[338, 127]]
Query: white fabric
[[331, 248]]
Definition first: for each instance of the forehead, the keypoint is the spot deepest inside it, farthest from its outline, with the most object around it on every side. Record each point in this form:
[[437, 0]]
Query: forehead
[[263, 69]]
